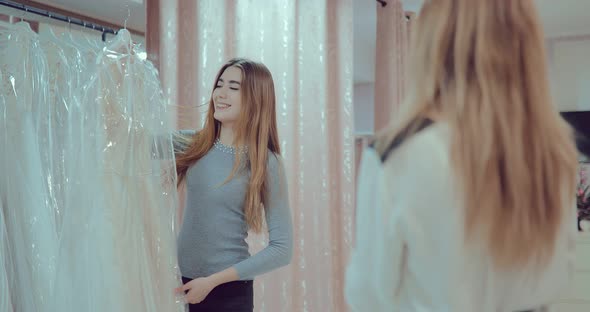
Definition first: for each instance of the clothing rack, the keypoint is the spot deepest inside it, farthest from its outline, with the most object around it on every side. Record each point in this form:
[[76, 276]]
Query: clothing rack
[[59, 17]]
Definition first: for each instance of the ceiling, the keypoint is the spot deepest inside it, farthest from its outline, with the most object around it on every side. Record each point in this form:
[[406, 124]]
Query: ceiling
[[560, 18], [564, 17], [112, 11]]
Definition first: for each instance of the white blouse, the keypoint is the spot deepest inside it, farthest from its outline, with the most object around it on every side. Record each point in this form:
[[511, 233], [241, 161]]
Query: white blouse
[[409, 253]]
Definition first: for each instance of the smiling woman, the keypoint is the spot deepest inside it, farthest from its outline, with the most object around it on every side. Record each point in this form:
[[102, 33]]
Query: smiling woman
[[227, 96], [235, 181]]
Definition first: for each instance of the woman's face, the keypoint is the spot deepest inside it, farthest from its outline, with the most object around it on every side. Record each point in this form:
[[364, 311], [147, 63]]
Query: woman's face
[[227, 96]]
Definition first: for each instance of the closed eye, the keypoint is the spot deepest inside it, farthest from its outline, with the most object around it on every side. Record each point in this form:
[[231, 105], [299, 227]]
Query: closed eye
[[234, 85]]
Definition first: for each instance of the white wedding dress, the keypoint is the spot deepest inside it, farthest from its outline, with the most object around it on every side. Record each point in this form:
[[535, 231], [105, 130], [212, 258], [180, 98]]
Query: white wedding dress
[[5, 265], [29, 218], [87, 195], [137, 176]]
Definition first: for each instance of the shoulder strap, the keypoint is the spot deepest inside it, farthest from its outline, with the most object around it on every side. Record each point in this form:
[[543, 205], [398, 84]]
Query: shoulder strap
[[405, 134]]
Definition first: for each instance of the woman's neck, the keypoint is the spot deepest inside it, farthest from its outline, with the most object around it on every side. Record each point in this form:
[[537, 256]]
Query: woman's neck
[[226, 136]]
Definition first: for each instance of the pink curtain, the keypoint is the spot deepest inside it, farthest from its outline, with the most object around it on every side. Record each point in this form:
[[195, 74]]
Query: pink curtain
[[307, 47], [393, 26]]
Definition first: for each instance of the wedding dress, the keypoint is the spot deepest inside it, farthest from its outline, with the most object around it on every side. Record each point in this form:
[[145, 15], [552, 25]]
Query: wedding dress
[[5, 265], [138, 174], [84, 279], [88, 194], [118, 238], [56, 124], [28, 216]]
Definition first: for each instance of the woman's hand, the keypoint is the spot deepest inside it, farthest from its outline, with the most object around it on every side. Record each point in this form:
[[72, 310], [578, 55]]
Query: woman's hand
[[198, 289]]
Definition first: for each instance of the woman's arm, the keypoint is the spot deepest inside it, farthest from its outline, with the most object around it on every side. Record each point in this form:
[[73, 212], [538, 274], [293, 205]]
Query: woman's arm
[[279, 251]]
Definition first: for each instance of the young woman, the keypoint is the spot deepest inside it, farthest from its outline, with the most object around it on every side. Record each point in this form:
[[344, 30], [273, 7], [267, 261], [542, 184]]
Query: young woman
[[234, 181], [469, 203]]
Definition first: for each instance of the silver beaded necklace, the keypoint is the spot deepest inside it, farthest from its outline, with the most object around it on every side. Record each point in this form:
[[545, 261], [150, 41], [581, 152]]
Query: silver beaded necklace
[[230, 149]]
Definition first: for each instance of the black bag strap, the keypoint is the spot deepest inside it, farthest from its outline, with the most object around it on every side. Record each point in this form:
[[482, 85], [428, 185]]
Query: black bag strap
[[405, 134]]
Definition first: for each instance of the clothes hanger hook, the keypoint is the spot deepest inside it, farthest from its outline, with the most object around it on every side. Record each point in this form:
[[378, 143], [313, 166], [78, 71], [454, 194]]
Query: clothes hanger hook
[[127, 18], [25, 11]]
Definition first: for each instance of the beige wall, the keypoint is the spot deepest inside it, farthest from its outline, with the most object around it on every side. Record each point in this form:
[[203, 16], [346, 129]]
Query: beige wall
[[569, 65]]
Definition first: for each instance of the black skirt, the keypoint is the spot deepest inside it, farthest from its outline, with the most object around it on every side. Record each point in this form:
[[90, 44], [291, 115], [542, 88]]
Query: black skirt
[[235, 296]]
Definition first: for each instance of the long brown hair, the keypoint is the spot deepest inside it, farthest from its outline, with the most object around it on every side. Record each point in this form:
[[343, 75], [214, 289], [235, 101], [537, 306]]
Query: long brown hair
[[481, 64], [256, 128]]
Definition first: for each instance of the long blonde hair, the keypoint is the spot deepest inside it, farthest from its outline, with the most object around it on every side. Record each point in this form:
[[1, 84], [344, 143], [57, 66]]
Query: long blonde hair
[[481, 64], [256, 128]]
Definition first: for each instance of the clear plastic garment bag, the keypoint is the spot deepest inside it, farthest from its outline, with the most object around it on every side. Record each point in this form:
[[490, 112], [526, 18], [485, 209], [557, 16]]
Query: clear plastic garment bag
[[138, 174], [29, 218], [5, 266], [88, 191]]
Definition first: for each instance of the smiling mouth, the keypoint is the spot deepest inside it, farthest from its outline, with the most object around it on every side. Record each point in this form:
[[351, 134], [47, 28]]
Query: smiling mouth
[[222, 106]]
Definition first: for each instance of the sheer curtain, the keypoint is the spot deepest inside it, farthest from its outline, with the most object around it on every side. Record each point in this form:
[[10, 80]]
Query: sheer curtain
[[307, 45]]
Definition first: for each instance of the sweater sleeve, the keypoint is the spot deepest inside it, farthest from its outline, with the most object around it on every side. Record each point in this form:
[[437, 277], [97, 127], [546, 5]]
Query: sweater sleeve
[[279, 251]]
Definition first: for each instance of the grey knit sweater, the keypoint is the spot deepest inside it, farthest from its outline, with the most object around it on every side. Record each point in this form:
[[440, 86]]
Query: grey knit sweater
[[213, 232]]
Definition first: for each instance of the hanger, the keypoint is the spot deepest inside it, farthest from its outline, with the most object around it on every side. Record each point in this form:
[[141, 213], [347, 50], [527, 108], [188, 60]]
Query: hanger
[[122, 42], [127, 18], [22, 24], [25, 11]]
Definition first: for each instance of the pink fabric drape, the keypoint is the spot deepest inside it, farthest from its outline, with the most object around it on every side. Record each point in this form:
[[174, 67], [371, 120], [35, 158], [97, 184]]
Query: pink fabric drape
[[307, 47], [173, 51], [393, 28]]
